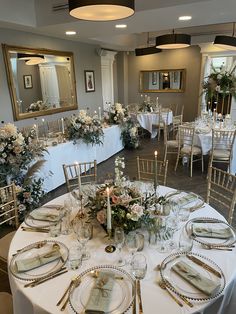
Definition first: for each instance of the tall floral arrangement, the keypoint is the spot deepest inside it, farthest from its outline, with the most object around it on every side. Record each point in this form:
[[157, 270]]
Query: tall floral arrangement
[[129, 135], [84, 127], [219, 82], [21, 156], [118, 114]]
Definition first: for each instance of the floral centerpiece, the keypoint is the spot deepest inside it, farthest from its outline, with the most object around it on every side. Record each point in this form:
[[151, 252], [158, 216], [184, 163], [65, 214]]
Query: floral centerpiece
[[126, 202], [37, 106], [118, 114], [129, 135], [84, 127]]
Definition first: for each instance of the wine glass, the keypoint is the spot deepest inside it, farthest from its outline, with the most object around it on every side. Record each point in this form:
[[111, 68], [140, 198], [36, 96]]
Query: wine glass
[[84, 233], [132, 242], [119, 237], [139, 266]]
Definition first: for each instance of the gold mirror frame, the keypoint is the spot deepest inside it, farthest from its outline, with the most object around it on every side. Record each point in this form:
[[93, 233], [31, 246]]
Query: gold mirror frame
[[183, 79], [20, 116]]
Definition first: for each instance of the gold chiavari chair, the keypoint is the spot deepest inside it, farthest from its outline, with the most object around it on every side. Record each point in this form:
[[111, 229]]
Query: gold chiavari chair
[[222, 147], [170, 145], [186, 147], [86, 170], [163, 118], [6, 303], [8, 215], [221, 190], [146, 170]]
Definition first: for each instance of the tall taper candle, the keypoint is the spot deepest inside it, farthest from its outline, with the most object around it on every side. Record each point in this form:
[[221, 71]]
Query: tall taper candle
[[99, 113], [108, 209], [78, 174], [62, 126], [155, 170]]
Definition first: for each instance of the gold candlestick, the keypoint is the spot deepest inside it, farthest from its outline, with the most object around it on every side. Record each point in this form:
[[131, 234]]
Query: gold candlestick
[[110, 248]]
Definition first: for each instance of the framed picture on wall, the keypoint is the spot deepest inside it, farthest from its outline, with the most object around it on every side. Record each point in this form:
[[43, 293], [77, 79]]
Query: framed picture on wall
[[28, 83], [89, 81]]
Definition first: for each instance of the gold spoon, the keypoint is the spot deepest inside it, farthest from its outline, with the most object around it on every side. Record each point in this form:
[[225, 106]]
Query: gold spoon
[[76, 283], [73, 280]]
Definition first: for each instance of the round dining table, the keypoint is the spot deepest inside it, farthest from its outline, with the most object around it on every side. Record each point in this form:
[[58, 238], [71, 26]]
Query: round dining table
[[43, 298]]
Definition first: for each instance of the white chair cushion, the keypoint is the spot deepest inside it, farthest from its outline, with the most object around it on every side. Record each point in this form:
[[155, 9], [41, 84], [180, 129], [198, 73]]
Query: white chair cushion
[[5, 244], [6, 303], [172, 143], [187, 150], [221, 154]]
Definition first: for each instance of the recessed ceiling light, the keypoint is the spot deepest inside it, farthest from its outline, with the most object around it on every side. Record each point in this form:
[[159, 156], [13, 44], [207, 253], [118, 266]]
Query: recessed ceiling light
[[121, 26], [70, 33], [185, 18]]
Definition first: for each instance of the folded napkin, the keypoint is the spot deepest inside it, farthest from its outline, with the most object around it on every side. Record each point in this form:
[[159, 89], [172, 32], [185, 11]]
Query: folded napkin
[[211, 232], [46, 216], [205, 285], [184, 200], [100, 295], [37, 261]]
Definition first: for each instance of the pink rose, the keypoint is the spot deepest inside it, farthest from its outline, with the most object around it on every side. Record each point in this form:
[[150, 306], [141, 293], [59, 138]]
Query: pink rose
[[101, 217]]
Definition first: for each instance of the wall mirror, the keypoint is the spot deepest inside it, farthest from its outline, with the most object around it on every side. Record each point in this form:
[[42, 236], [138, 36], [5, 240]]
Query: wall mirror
[[162, 81], [41, 81]]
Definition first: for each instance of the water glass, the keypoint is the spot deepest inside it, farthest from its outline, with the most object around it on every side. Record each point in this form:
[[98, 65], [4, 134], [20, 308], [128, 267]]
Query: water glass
[[119, 237], [185, 242], [75, 257], [55, 230], [139, 266], [132, 242], [184, 214]]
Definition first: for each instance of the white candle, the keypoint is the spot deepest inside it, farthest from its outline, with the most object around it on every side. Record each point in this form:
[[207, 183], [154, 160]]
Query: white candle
[[36, 131], [95, 112], [108, 209], [62, 126], [78, 174], [155, 169], [99, 113]]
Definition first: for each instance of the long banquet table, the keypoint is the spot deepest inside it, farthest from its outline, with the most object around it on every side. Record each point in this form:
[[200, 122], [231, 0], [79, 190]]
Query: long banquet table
[[69, 153], [43, 298]]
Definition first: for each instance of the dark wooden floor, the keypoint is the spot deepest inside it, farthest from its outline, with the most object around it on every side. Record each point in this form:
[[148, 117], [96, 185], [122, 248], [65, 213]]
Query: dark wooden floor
[[179, 179]]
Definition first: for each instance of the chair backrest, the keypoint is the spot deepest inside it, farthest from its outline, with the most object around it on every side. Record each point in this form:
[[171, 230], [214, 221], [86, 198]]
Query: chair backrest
[[185, 135], [86, 170], [223, 139], [8, 205], [221, 190], [174, 108], [146, 170], [170, 135]]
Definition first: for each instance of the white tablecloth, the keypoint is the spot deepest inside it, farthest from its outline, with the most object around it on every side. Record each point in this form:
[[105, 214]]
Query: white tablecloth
[[43, 298], [146, 120], [68, 153], [204, 140]]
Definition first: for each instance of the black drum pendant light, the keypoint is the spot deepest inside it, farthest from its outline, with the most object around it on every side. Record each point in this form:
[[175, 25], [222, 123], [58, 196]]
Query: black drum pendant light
[[226, 42], [147, 50], [101, 10], [173, 41]]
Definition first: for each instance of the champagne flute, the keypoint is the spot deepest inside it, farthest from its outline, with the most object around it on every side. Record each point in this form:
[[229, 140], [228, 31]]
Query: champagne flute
[[119, 237], [84, 232], [132, 243]]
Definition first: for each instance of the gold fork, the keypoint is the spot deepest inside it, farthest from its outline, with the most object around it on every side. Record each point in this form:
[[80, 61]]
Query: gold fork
[[75, 284]]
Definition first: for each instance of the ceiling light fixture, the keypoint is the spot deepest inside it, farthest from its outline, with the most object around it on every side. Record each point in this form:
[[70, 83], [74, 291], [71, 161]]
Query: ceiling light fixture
[[173, 41], [70, 33], [121, 26], [226, 42], [185, 18], [147, 50], [101, 10]]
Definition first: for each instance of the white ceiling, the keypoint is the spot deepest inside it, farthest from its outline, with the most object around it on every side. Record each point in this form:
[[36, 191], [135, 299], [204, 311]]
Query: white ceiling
[[154, 16]]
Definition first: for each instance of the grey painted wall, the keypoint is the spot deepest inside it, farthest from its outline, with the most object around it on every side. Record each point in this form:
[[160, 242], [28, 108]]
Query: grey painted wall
[[85, 58], [188, 58]]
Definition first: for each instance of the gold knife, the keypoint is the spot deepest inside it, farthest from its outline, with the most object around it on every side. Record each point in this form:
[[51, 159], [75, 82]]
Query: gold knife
[[29, 284], [36, 283], [139, 297], [186, 301], [28, 229], [204, 265], [134, 291]]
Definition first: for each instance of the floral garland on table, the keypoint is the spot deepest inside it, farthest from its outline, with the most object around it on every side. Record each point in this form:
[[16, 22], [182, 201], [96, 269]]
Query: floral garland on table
[[84, 127], [129, 135], [17, 155], [37, 106], [118, 114]]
